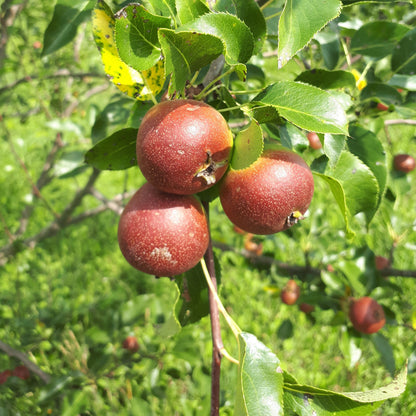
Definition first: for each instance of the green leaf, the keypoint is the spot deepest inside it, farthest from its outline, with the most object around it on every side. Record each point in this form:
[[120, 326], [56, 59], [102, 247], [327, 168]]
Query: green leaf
[[116, 152], [248, 146], [381, 93], [291, 137], [329, 42], [299, 22], [385, 350], [249, 12], [308, 400], [186, 52], [260, 379], [192, 303], [377, 39], [333, 147], [138, 85], [305, 106], [358, 182], [407, 82], [327, 80], [403, 60], [67, 16], [136, 35], [235, 35], [367, 146], [338, 192], [189, 10]]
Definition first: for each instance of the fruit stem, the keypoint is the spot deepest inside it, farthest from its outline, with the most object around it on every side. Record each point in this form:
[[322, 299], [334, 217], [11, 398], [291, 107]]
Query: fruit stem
[[231, 323]]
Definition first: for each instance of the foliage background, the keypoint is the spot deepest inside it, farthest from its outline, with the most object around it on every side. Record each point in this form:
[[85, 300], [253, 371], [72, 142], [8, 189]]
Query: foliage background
[[69, 302]]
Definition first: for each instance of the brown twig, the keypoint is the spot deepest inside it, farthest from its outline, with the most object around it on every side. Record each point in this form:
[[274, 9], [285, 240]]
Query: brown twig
[[11, 352], [399, 121], [59, 74], [217, 344], [298, 270]]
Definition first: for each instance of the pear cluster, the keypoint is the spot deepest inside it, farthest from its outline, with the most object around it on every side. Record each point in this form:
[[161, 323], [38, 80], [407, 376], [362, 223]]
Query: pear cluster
[[184, 147]]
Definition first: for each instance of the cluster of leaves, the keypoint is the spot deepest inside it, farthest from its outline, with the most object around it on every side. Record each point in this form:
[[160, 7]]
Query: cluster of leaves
[[154, 47]]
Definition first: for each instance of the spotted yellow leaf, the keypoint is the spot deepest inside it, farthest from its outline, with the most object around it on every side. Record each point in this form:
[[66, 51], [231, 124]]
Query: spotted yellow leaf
[[140, 85]]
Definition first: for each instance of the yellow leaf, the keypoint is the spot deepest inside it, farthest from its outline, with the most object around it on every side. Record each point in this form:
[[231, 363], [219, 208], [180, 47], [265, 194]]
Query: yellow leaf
[[140, 85]]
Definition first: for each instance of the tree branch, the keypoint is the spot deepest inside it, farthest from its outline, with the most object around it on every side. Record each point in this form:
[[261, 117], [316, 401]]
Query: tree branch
[[217, 344], [11, 352]]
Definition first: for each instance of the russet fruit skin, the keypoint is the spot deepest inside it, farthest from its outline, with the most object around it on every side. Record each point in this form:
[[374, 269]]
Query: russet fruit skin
[[163, 234], [270, 195], [130, 343], [381, 262], [290, 293], [183, 146], [366, 315], [404, 163], [314, 141]]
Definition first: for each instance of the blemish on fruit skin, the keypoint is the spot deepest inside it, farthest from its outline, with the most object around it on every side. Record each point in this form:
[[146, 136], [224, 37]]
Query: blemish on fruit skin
[[163, 254]]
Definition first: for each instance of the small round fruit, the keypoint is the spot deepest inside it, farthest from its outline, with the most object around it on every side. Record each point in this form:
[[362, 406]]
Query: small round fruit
[[4, 376], [290, 293], [366, 315], [270, 195], [163, 234], [314, 141], [382, 107], [404, 163], [183, 146], [252, 246], [381, 262], [130, 344], [22, 372], [306, 308]]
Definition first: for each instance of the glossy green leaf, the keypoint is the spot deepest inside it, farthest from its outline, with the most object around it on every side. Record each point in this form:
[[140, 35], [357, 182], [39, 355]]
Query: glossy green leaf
[[249, 12], [339, 195], [377, 39], [327, 80], [312, 401], [292, 138], [235, 35], [260, 379], [139, 85], [407, 82], [358, 182], [161, 7], [186, 52], [67, 16], [116, 152], [333, 147], [299, 22], [366, 145], [248, 146], [136, 36], [381, 93], [403, 60], [305, 106], [189, 10]]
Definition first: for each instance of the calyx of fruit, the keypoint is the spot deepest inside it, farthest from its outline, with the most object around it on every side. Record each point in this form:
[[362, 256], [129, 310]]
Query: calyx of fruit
[[270, 195], [163, 234], [183, 146]]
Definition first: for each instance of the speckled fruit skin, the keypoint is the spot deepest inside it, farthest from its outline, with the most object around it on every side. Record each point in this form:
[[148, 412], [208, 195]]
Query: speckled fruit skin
[[177, 140], [366, 315], [163, 234], [404, 163], [261, 198]]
